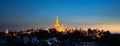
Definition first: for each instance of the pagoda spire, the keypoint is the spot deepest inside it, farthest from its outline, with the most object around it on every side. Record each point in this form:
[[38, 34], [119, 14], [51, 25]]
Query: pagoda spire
[[57, 21], [57, 26], [62, 28], [6, 31]]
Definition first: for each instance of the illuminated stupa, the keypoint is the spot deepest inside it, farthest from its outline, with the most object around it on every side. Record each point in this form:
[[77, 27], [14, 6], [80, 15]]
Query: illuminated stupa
[[57, 26], [62, 28], [6, 31]]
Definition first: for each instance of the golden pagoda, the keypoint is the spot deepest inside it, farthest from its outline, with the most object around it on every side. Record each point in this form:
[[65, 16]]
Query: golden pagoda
[[6, 31], [62, 28], [57, 26]]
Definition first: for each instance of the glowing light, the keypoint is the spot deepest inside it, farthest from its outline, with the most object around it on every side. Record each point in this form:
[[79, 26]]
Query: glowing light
[[6, 31], [57, 26], [62, 28]]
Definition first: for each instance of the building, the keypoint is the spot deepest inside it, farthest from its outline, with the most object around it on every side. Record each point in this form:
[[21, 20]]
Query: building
[[6, 32], [57, 26]]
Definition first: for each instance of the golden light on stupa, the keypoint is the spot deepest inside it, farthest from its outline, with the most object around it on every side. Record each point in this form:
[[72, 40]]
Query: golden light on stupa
[[62, 28], [6, 31], [57, 26]]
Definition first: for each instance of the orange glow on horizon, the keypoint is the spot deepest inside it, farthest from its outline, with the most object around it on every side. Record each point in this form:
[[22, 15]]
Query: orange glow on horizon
[[113, 28]]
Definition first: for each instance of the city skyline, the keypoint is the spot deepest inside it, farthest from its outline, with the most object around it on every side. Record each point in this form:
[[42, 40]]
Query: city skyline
[[96, 14]]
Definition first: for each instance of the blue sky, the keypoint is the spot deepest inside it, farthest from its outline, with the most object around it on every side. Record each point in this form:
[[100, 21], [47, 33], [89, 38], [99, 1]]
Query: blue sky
[[39, 13]]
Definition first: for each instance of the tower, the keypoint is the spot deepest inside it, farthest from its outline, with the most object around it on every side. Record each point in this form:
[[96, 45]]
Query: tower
[[62, 28], [57, 26], [6, 31]]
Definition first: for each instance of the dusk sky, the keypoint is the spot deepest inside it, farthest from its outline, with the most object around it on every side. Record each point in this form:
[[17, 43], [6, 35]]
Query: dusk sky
[[95, 14]]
